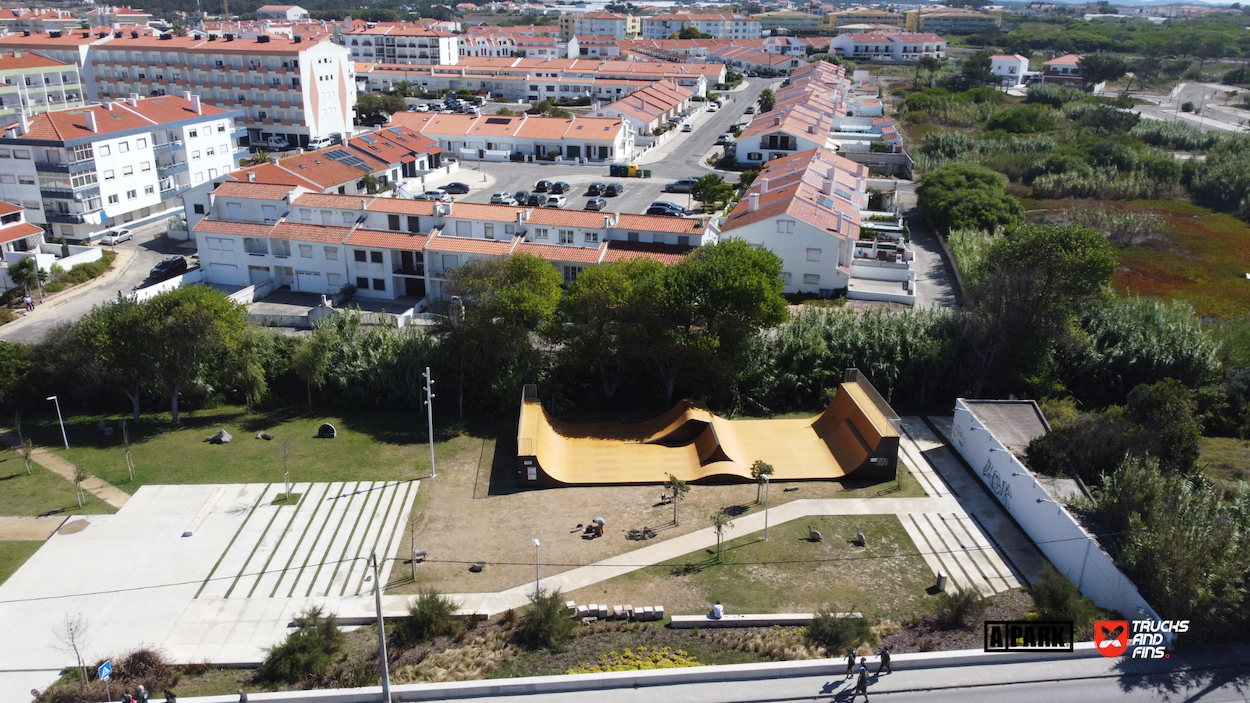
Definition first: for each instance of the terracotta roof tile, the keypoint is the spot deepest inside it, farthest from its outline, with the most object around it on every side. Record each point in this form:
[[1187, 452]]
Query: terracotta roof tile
[[465, 245], [270, 173], [661, 223], [343, 202], [402, 206], [388, 240], [553, 252], [667, 254], [9, 208], [252, 191], [244, 229], [19, 230], [484, 211], [310, 233], [568, 218]]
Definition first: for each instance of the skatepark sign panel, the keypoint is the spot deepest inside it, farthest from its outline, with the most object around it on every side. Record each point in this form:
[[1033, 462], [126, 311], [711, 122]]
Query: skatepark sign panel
[[1029, 636]]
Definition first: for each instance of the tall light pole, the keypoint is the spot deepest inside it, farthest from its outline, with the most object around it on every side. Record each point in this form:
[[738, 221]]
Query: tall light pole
[[429, 413], [59, 419], [377, 603], [767, 483], [537, 572]]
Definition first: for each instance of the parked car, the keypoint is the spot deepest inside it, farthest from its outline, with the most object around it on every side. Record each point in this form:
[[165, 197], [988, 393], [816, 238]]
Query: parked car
[[419, 108], [521, 196], [687, 127], [437, 194], [556, 201], [750, 110], [277, 141], [596, 204], [666, 208], [725, 139], [168, 268], [684, 185], [502, 197], [560, 188], [457, 188], [434, 107], [320, 143], [752, 74], [542, 186], [596, 189], [113, 237], [535, 200], [713, 107], [613, 190]]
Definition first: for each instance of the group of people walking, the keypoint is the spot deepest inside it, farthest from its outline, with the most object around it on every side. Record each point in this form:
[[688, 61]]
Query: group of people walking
[[860, 672]]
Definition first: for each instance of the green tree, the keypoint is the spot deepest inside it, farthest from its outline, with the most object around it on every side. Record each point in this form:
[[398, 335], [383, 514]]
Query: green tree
[[521, 289], [967, 196], [692, 33], [928, 64], [1211, 48], [246, 364], [123, 337], [1167, 425], [975, 70], [677, 490], [1109, 120], [370, 106], [767, 100], [710, 190], [759, 470], [1097, 68], [15, 364], [1033, 282], [194, 330], [27, 274], [307, 653], [311, 360], [721, 523], [260, 157], [179, 30]]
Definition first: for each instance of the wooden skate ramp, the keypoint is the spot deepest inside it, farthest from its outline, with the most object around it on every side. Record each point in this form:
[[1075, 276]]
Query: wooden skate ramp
[[852, 435]]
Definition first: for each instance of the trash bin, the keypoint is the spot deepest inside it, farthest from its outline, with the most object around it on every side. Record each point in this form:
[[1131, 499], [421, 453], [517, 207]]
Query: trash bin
[[633, 171], [646, 173], [613, 171]]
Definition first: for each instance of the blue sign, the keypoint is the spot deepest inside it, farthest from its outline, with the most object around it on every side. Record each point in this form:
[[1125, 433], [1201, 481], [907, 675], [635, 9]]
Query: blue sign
[[106, 670]]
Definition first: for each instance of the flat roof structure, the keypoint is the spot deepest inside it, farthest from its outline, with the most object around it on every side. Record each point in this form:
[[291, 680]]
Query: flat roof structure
[[1014, 422], [857, 434]]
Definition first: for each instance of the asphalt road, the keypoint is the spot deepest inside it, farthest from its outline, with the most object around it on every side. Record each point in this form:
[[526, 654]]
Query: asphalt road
[[1210, 98], [149, 249]]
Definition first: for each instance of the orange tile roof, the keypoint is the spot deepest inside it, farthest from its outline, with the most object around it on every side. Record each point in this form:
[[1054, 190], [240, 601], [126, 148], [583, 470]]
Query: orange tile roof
[[245, 229], [388, 240], [484, 211], [271, 173], [19, 230], [62, 125], [326, 172], [9, 208], [252, 191], [9, 61], [40, 40], [568, 218], [465, 245], [667, 254], [553, 252], [310, 233], [661, 223], [402, 206], [334, 200]]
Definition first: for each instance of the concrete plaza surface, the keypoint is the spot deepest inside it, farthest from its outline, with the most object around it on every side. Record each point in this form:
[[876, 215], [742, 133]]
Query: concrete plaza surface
[[221, 593]]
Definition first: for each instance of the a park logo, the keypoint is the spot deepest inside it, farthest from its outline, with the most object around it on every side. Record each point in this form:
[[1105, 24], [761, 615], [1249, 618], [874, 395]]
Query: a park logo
[[1028, 636], [1111, 637]]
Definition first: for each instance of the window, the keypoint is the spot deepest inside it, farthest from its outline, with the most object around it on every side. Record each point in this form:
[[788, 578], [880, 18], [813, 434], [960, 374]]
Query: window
[[149, 190], [683, 241], [566, 236], [379, 284], [540, 233], [210, 151], [592, 237], [347, 218], [195, 155], [811, 278], [112, 200], [375, 257], [191, 133], [362, 283], [785, 276], [145, 166], [785, 226], [199, 208], [128, 170], [334, 280], [109, 175], [570, 273], [26, 180], [813, 255], [221, 127], [104, 150], [489, 229], [7, 178], [392, 222], [141, 143], [305, 251], [332, 253], [360, 255], [131, 194], [123, 147]]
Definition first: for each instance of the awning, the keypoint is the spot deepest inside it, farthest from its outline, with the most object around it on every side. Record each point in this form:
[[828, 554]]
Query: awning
[[408, 159]]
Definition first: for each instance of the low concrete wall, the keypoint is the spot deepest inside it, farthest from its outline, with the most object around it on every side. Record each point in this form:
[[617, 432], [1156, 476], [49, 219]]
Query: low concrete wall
[[874, 270], [1060, 537], [195, 275], [897, 164], [254, 292], [589, 683], [80, 255]]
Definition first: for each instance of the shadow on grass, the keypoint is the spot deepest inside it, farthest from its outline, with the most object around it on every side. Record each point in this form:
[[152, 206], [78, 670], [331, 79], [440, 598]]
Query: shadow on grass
[[693, 568]]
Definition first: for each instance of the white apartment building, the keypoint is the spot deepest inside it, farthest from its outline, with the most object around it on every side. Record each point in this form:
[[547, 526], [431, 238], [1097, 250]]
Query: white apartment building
[[401, 43], [1011, 69], [720, 26], [36, 84], [281, 12], [600, 24], [88, 169], [882, 46], [391, 248], [291, 87]]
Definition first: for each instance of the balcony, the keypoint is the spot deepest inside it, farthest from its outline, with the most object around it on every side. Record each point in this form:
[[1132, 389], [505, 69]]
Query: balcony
[[419, 271], [167, 147], [51, 167], [68, 218], [64, 194], [170, 169]]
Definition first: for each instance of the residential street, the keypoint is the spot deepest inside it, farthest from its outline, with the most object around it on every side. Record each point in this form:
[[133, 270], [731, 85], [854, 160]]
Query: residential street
[[1210, 98]]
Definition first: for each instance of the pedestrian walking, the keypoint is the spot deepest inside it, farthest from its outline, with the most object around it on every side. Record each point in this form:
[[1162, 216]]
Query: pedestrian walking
[[242, 696], [170, 696], [885, 661], [861, 686], [850, 663], [29, 302], [142, 696], [126, 697]]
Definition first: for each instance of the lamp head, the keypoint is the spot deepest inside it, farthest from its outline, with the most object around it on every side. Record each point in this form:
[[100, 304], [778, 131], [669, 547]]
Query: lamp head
[[536, 544], [51, 397]]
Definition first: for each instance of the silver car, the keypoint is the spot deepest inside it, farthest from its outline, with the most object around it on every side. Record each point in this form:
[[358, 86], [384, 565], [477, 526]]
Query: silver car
[[113, 237]]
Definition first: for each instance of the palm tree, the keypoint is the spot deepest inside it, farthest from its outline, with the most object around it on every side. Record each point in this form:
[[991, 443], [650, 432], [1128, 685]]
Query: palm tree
[[27, 274], [768, 100], [260, 157]]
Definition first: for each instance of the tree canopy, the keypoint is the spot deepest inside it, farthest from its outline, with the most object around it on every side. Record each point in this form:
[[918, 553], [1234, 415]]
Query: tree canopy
[[967, 196]]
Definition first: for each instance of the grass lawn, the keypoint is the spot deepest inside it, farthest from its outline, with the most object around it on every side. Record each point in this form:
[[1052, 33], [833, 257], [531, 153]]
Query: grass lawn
[[1225, 459], [787, 573], [40, 493], [13, 555], [377, 446]]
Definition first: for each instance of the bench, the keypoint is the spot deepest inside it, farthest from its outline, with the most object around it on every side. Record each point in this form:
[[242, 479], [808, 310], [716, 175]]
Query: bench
[[688, 622]]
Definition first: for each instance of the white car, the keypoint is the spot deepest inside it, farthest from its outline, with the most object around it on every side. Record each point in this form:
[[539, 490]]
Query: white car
[[320, 142], [556, 201], [437, 194], [712, 108], [421, 107], [502, 197], [113, 237]]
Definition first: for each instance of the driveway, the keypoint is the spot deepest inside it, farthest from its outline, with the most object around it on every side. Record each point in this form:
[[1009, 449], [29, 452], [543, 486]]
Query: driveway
[[935, 276]]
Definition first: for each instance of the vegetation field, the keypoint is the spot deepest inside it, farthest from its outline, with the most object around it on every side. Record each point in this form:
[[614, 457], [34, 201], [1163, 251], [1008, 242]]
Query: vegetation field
[[1225, 459], [13, 555], [41, 492], [787, 573]]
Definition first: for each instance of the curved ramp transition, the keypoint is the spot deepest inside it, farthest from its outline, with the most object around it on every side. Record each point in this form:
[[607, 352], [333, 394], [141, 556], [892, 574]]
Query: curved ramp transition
[[857, 434]]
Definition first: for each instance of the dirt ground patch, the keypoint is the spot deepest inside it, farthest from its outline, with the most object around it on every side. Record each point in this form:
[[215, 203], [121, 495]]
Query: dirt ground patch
[[474, 511], [787, 574]]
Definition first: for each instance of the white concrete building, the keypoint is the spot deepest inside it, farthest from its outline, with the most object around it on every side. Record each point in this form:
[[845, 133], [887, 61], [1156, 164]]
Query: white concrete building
[[1011, 69], [720, 26], [85, 170], [401, 43], [500, 138], [650, 108], [600, 24], [37, 84], [281, 12], [883, 46]]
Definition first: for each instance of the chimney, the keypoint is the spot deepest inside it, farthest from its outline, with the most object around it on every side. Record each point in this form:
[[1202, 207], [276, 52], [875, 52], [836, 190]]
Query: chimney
[[753, 202], [251, 176], [186, 95], [763, 185], [827, 187], [195, 105], [777, 120], [839, 221], [88, 114], [17, 54]]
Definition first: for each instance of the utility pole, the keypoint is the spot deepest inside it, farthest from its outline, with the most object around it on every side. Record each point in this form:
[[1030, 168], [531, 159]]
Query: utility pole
[[377, 603], [429, 414]]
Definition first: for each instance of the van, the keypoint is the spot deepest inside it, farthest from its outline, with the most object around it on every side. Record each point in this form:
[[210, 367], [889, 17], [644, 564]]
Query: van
[[320, 142], [277, 141]]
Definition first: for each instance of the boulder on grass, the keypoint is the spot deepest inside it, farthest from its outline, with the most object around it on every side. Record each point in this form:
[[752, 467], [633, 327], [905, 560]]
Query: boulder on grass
[[264, 435], [327, 431], [221, 437]]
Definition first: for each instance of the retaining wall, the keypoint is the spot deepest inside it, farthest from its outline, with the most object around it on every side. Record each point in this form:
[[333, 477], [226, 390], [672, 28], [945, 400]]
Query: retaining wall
[[195, 275]]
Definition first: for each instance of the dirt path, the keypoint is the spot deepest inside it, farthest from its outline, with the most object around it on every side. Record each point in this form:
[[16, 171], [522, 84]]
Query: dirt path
[[29, 529], [97, 487]]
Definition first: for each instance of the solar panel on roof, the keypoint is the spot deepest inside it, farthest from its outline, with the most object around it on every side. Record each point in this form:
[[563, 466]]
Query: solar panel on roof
[[395, 130], [347, 159], [497, 120], [368, 139]]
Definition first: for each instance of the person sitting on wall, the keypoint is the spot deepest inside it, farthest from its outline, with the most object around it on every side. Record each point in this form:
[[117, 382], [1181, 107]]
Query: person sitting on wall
[[718, 611]]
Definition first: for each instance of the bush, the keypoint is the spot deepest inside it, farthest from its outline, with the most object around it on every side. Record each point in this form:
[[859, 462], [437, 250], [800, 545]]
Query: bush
[[1021, 119], [546, 623], [1053, 95], [963, 608], [1188, 106], [431, 615], [837, 634], [307, 653], [643, 659], [1057, 598]]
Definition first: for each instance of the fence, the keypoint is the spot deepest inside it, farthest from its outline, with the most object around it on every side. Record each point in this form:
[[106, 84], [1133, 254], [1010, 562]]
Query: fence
[[1073, 551], [195, 275]]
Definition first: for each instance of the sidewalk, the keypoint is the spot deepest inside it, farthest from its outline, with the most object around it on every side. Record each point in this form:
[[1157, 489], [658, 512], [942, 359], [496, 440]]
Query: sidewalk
[[125, 259]]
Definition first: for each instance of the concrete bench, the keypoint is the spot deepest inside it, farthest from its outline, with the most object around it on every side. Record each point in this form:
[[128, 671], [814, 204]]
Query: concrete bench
[[688, 622]]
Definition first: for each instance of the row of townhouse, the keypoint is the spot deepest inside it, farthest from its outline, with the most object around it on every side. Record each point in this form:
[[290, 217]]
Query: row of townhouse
[[936, 19], [790, 21], [83, 170], [390, 248], [35, 83], [297, 87], [649, 109], [532, 80], [400, 43], [500, 137], [888, 46], [600, 24], [720, 26]]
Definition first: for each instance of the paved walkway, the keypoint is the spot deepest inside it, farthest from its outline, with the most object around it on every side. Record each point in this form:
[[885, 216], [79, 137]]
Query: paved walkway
[[29, 529], [45, 312], [97, 487]]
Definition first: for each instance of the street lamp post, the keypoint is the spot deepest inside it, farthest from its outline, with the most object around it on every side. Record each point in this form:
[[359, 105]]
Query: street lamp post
[[537, 572], [59, 419], [429, 407], [767, 483], [377, 604]]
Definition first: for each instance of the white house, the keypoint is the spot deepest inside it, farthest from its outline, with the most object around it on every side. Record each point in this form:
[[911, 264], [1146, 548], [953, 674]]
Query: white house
[[402, 43], [888, 46], [100, 166], [1011, 69], [281, 12], [720, 26], [499, 138]]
